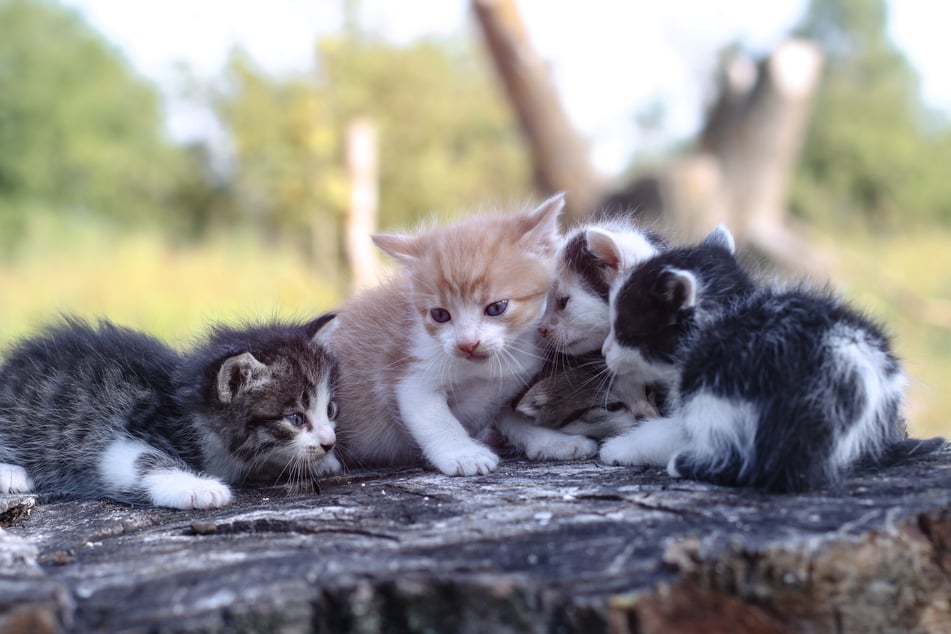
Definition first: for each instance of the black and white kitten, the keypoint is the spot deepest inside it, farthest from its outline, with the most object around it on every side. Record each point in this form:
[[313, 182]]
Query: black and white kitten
[[573, 392], [785, 390], [106, 411]]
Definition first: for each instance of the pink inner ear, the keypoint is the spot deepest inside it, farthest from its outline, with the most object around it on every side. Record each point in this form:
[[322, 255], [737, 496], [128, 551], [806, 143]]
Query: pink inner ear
[[398, 246], [604, 248]]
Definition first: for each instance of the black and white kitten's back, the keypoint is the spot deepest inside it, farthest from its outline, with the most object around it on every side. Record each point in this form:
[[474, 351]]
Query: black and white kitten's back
[[106, 411], [785, 390]]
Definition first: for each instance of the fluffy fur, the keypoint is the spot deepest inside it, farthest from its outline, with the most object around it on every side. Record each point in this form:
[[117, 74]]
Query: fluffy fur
[[571, 395], [430, 358], [106, 411], [786, 390], [573, 392]]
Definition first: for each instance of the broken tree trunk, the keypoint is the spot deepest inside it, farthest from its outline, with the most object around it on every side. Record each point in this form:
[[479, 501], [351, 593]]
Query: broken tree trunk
[[534, 547], [559, 155], [755, 133]]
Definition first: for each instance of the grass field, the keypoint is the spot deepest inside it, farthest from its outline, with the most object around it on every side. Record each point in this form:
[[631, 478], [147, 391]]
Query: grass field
[[140, 281], [905, 283], [173, 292]]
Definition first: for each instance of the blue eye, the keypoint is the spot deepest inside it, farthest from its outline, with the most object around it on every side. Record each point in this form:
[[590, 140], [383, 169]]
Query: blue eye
[[440, 315], [331, 410], [296, 419], [497, 308]]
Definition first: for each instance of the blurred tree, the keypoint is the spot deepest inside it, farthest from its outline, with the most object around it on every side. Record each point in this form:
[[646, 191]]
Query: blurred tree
[[78, 130], [447, 141], [873, 152]]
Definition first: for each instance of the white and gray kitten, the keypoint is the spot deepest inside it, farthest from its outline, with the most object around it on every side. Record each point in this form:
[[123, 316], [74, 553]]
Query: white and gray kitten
[[573, 393], [110, 412], [785, 390]]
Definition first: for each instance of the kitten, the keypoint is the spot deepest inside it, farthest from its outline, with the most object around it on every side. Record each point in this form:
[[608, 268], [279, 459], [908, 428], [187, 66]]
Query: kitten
[[573, 393], [107, 411], [785, 390], [577, 320], [432, 359]]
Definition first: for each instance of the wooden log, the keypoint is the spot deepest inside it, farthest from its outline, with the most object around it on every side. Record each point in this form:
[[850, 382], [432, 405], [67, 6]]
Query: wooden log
[[559, 155], [533, 547]]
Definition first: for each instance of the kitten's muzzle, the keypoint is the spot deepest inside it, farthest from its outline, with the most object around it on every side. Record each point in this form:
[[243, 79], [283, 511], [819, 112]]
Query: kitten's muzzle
[[470, 351]]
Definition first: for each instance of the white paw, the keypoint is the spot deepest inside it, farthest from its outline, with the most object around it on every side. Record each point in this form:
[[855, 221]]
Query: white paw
[[13, 479], [470, 460], [561, 447], [182, 490], [653, 443], [620, 450]]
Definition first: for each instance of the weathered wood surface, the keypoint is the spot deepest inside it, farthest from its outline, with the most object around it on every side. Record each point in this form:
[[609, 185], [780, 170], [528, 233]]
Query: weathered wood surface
[[534, 547]]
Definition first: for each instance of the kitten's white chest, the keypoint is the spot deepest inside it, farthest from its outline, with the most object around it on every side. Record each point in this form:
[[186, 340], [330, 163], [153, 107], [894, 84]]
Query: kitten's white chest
[[476, 391]]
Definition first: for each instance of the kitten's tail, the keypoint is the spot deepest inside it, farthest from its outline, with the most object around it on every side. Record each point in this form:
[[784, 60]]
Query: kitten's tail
[[908, 449]]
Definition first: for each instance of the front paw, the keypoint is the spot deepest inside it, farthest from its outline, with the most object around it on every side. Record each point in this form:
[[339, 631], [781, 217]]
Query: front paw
[[561, 447], [14, 479], [181, 490], [470, 460], [621, 451]]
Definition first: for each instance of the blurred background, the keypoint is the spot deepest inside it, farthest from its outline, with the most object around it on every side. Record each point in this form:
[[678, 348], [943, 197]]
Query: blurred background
[[170, 163]]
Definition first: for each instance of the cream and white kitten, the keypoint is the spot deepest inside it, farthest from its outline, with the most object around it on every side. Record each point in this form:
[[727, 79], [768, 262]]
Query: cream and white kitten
[[430, 361]]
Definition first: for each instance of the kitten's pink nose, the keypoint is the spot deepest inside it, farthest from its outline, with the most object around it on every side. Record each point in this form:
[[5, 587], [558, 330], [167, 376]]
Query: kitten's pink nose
[[327, 445], [468, 348], [544, 332]]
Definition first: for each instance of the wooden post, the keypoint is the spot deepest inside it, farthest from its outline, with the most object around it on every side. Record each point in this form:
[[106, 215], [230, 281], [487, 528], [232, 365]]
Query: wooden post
[[559, 155], [362, 160]]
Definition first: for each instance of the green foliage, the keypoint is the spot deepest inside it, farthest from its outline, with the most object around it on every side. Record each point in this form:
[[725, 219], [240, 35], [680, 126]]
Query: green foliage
[[446, 140], [872, 153], [77, 129]]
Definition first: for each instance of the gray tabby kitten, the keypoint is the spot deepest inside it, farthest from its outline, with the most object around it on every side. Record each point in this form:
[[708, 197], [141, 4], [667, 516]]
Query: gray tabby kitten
[[110, 412]]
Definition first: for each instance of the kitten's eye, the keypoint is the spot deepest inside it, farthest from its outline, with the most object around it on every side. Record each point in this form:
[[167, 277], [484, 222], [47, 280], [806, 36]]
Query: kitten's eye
[[615, 407], [497, 308], [296, 419], [440, 315], [332, 410], [562, 302]]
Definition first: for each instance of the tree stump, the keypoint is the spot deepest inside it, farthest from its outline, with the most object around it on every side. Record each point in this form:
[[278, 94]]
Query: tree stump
[[533, 547]]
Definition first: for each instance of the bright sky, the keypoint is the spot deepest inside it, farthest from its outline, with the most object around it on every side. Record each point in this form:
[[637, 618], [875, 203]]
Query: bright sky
[[610, 58]]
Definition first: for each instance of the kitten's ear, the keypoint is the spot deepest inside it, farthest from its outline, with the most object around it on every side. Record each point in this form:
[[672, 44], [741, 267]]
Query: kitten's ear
[[607, 251], [540, 233], [534, 400], [401, 247], [679, 289], [722, 238], [319, 329], [237, 374]]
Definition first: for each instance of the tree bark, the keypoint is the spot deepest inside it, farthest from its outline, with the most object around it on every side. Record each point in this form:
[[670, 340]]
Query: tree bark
[[533, 547]]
